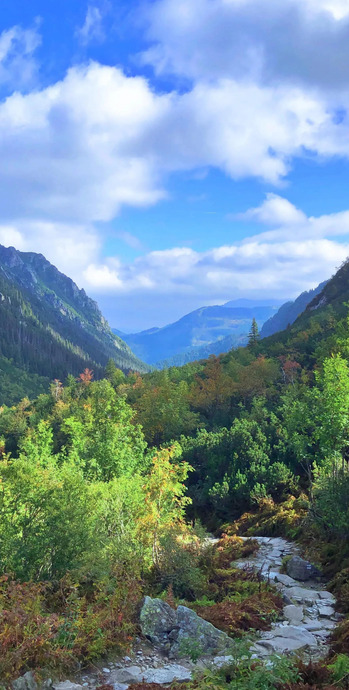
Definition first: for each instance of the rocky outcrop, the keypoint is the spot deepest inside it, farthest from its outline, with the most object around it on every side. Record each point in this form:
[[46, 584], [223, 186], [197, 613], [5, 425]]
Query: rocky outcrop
[[158, 621], [181, 633], [301, 570]]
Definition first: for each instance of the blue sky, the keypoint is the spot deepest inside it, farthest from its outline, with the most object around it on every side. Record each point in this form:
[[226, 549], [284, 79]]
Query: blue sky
[[175, 153]]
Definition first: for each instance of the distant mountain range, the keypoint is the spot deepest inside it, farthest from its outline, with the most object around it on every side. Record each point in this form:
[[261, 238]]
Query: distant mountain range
[[289, 311], [205, 331], [49, 328]]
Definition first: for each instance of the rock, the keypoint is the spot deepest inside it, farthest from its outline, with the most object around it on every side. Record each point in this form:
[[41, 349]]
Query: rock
[[131, 674], [167, 674], [328, 596], [157, 619], [26, 682], [120, 686], [197, 636], [289, 639], [181, 633], [302, 570], [303, 595], [294, 614], [67, 685], [286, 580], [326, 611]]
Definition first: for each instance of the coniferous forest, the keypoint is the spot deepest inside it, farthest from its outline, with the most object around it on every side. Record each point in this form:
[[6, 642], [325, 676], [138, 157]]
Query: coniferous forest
[[109, 485]]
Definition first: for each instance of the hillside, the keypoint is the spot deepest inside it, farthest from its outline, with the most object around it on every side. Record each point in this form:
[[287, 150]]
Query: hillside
[[205, 331], [289, 311], [49, 328]]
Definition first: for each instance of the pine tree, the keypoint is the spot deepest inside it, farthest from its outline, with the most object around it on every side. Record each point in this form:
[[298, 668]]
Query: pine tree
[[253, 336]]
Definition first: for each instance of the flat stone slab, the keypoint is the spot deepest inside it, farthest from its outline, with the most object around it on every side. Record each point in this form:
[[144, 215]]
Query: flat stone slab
[[167, 674], [289, 638], [326, 611], [304, 595], [327, 595], [285, 580], [127, 675], [294, 614]]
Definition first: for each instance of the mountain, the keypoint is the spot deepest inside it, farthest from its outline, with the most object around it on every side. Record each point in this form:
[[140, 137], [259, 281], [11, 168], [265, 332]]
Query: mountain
[[198, 334], [49, 328], [289, 311]]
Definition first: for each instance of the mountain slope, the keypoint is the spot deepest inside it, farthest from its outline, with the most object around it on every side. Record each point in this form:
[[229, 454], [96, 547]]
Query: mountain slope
[[289, 311], [48, 327], [190, 336]]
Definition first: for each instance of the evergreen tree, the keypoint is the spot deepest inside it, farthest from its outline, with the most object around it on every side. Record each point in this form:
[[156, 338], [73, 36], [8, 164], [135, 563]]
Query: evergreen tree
[[253, 336]]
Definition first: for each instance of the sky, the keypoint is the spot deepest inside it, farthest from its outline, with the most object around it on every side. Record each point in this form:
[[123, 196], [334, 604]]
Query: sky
[[171, 154]]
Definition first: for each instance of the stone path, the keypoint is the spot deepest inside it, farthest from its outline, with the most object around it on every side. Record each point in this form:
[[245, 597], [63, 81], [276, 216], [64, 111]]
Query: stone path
[[308, 619], [308, 615]]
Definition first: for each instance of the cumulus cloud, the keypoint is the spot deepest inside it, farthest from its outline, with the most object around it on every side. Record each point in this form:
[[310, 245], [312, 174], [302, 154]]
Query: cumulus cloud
[[295, 255], [76, 152], [80, 150]]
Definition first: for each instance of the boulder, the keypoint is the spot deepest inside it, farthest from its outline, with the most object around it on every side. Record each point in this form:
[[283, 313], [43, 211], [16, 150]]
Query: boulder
[[26, 682], [181, 633], [197, 636], [158, 620], [301, 570]]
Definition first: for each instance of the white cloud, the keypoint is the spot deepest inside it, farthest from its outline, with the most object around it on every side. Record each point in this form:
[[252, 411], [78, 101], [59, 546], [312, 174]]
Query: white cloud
[[294, 256], [92, 28], [288, 221], [18, 66], [70, 247], [294, 41]]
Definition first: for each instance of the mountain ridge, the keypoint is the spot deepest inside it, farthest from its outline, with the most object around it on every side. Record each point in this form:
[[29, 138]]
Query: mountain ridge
[[197, 334], [48, 326]]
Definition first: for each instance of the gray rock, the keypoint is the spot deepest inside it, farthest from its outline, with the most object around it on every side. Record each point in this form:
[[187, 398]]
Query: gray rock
[[302, 570], [67, 685], [294, 614], [120, 686], [157, 619], [326, 611], [197, 636], [26, 682], [327, 595], [286, 580], [131, 674], [289, 639], [167, 674], [303, 595]]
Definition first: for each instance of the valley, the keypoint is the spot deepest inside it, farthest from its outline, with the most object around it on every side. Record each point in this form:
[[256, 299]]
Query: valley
[[109, 485]]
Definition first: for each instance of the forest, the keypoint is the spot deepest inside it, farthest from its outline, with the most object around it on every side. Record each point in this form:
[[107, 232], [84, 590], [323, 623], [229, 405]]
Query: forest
[[108, 486]]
